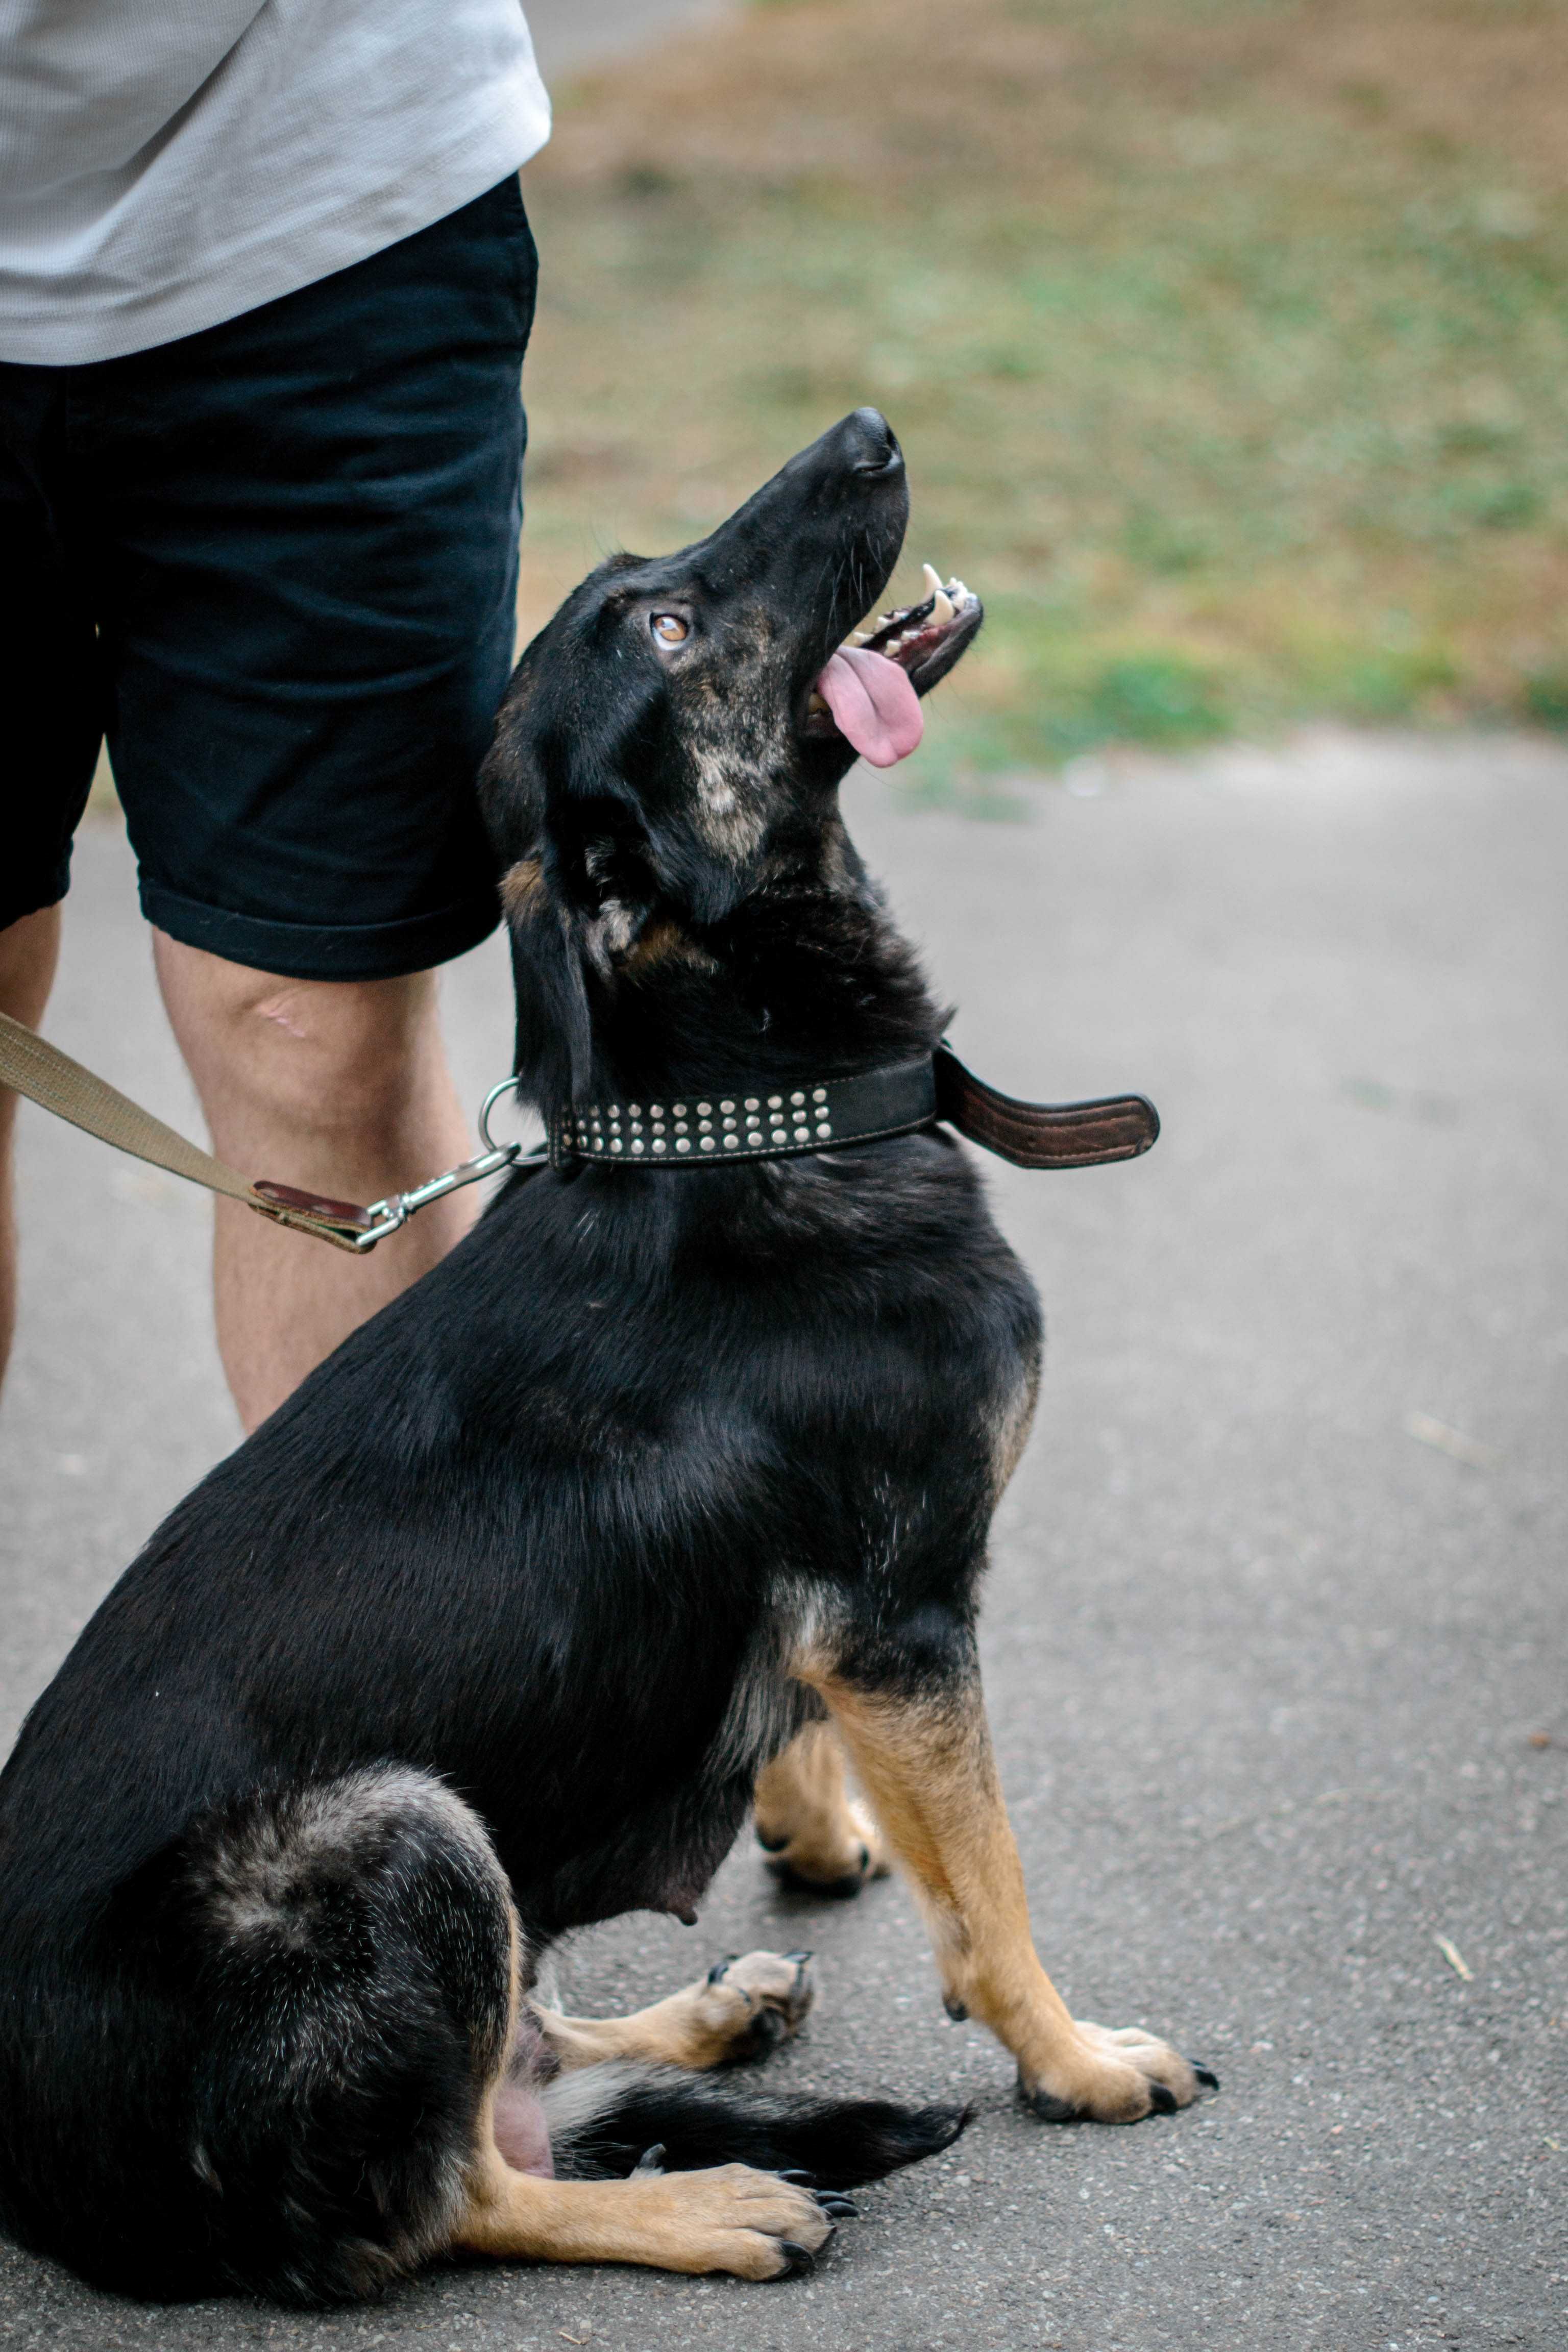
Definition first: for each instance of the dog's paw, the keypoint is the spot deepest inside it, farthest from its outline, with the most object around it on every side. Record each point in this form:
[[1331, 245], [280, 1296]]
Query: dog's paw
[[756, 2225], [835, 1856], [1113, 2075], [747, 2005]]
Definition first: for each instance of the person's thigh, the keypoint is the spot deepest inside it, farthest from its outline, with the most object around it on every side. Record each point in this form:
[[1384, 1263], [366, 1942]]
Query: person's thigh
[[306, 563], [51, 682]]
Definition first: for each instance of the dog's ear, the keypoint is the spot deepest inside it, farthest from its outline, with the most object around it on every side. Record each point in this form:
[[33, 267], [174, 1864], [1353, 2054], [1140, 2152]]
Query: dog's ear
[[555, 1028], [578, 893], [548, 962]]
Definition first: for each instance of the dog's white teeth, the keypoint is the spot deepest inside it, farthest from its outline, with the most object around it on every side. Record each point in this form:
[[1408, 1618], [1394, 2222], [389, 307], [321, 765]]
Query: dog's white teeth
[[933, 583], [942, 609], [959, 593], [816, 708], [859, 637]]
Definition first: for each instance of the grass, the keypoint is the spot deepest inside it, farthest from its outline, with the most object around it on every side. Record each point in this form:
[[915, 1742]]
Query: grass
[[1229, 340]]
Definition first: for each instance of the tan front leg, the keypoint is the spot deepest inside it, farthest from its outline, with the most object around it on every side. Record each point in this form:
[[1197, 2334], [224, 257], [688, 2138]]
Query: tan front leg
[[814, 1830], [741, 2009], [928, 1767], [731, 2218]]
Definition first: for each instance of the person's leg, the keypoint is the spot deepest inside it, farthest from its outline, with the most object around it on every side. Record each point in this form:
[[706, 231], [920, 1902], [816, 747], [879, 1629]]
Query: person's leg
[[336, 1087], [307, 525], [51, 688], [29, 950]]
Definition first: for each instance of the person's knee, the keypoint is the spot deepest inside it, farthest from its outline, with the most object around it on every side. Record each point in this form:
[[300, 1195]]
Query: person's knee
[[327, 1057]]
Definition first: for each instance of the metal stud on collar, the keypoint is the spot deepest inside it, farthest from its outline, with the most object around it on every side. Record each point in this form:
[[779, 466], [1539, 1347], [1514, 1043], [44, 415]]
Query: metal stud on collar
[[748, 1126]]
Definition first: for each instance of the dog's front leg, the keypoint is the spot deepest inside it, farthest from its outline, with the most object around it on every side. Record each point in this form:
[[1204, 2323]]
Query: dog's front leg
[[813, 1829], [743, 2007], [923, 1755]]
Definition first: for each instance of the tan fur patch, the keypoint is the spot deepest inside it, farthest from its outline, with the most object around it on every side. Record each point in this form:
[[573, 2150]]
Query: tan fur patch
[[665, 943], [520, 885], [806, 1818], [727, 2219]]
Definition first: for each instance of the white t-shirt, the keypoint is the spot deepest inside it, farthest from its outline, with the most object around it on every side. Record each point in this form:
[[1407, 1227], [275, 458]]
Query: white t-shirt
[[165, 164]]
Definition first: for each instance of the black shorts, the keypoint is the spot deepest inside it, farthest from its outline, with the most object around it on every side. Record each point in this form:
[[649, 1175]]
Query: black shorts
[[275, 564]]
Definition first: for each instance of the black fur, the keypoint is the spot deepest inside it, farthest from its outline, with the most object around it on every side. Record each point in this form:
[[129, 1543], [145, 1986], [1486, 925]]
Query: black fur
[[498, 1604]]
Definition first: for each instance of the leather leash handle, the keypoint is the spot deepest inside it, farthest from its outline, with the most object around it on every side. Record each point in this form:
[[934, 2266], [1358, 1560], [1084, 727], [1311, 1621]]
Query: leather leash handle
[[1042, 1135], [32, 1066]]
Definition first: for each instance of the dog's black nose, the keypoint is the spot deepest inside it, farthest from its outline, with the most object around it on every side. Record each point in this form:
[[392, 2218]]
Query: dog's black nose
[[870, 442]]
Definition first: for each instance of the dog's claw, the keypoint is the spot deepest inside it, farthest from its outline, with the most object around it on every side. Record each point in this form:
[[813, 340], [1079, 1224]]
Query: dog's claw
[[1206, 2074], [798, 2263], [800, 1958], [1162, 2099], [801, 2179], [718, 1967], [650, 2160], [843, 2209], [954, 2009]]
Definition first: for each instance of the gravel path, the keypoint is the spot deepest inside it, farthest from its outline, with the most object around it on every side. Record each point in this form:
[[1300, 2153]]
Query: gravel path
[[1275, 1632]]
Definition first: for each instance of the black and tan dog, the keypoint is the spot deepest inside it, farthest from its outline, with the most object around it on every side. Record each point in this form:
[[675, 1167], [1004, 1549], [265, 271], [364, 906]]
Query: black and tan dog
[[489, 1631]]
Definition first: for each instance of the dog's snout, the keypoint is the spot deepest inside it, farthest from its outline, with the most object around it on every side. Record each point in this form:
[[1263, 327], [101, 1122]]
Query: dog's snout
[[870, 442]]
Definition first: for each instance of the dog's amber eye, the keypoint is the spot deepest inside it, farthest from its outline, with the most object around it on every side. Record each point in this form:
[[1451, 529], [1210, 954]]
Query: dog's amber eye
[[668, 628]]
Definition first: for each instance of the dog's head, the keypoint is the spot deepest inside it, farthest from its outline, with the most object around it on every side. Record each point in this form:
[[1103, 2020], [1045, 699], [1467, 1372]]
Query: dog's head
[[672, 741]]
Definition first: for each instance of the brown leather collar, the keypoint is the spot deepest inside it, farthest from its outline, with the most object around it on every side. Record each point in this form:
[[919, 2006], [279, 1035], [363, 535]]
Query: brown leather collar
[[1043, 1135], [739, 1123]]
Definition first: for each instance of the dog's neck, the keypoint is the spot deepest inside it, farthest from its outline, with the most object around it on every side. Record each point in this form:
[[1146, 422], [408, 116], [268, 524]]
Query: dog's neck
[[806, 978]]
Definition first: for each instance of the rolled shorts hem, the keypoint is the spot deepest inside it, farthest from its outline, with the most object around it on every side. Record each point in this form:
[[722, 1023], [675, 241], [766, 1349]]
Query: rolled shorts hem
[[322, 952], [33, 896]]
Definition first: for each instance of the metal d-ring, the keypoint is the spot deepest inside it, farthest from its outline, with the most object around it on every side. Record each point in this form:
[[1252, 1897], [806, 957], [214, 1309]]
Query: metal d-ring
[[505, 1086]]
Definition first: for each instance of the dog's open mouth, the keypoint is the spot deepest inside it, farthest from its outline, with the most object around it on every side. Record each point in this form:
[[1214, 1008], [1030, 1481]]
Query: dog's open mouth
[[869, 691]]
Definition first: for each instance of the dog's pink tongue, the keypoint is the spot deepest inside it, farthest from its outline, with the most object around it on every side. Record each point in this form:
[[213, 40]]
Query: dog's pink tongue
[[873, 704]]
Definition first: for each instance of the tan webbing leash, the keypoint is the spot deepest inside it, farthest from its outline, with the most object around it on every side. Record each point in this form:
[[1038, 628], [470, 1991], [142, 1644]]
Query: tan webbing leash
[[34, 1068]]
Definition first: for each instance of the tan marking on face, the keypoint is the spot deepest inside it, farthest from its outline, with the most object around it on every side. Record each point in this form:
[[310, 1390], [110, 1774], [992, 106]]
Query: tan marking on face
[[729, 810]]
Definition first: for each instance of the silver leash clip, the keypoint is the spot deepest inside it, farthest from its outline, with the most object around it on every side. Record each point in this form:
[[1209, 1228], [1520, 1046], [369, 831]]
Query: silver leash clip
[[388, 1215]]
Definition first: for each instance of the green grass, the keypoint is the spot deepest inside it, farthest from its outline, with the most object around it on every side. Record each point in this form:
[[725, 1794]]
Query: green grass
[[1229, 340]]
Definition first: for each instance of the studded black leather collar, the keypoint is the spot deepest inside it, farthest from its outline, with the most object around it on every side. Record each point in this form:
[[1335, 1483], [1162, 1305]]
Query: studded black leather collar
[[748, 1124], [734, 1123]]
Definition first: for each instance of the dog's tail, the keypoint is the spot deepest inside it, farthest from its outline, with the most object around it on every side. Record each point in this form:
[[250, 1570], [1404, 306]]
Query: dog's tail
[[603, 2120]]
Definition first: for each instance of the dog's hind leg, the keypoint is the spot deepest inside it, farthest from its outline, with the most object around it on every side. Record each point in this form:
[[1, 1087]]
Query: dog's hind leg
[[708, 2178], [815, 1833], [742, 2009], [733, 2218], [923, 1750]]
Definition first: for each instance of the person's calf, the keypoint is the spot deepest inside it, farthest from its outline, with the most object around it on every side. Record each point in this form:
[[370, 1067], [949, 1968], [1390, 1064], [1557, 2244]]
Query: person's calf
[[29, 950], [335, 1087]]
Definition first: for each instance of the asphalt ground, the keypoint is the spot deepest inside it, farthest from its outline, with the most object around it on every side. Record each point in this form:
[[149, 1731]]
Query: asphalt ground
[[1275, 1632]]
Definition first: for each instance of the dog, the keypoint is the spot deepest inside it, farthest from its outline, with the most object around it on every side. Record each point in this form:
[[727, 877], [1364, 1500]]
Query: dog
[[668, 1476]]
